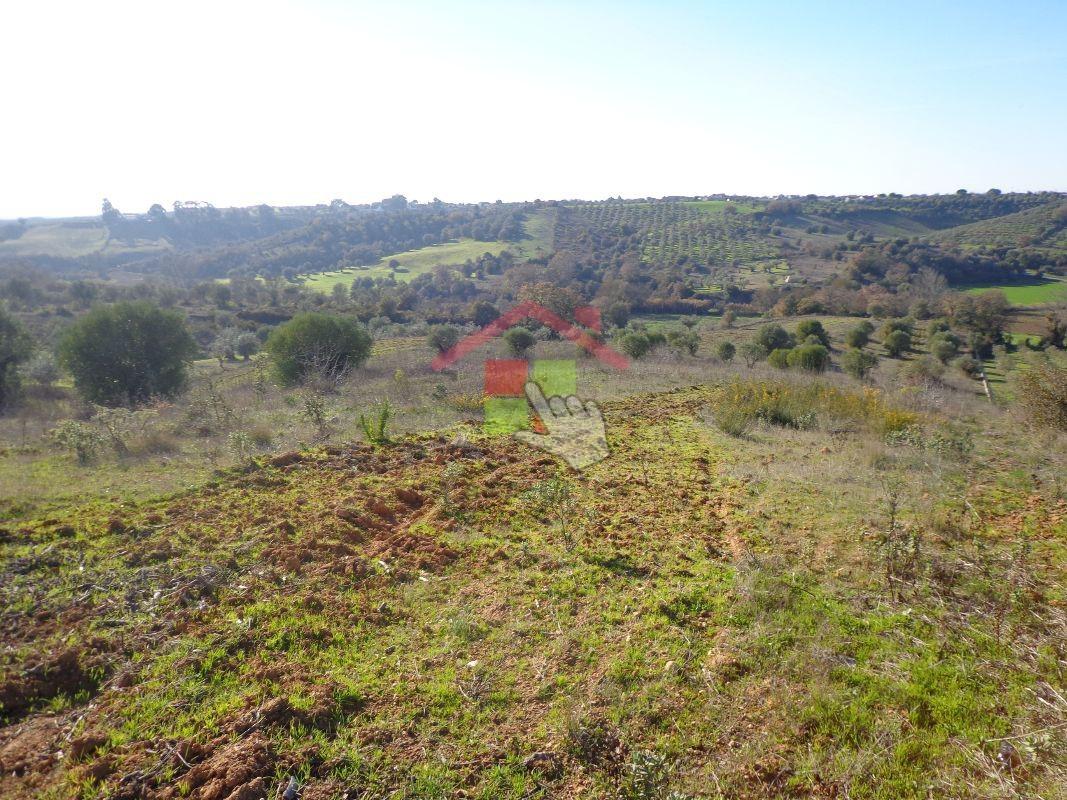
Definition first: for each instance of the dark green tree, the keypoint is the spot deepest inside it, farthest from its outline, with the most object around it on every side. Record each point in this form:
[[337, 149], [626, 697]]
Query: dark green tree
[[858, 363], [519, 340], [317, 345], [897, 343], [247, 345], [442, 337], [682, 343], [810, 357], [127, 353], [618, 314], [779, 358], [773, 337], [812, 327], [635, 345], [857, 337], [483, 313], [15, 347]]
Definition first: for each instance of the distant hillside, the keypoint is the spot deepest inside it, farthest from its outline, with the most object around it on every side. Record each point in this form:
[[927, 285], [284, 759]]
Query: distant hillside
[[1043, 226], [667, 255]]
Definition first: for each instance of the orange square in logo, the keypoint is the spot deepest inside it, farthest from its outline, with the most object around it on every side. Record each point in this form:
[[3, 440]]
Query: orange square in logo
[[505, 377]]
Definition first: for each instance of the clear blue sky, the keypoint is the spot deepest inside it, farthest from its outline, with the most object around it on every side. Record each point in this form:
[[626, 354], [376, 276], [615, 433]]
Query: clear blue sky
[[283, 102]]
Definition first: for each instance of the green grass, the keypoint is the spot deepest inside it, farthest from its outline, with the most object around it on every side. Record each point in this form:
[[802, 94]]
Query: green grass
[[57, 239], [678, 606], [539, 230], [73, 240], [719, 206], [412, 263], [1030, 293]]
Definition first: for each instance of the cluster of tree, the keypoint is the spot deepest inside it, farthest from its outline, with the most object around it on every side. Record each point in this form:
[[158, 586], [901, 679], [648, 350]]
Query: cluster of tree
[[202, 224], [808, 348], [358, 236], [130, 352]]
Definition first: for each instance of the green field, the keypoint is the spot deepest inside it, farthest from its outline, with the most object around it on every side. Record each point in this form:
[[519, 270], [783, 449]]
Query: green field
[[412, 263], [74, 240], [539, 229], [1031, 293], [59, 240], [718, 206]]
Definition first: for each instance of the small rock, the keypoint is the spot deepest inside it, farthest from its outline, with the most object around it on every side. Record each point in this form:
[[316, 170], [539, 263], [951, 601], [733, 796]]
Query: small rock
[[292, 790]]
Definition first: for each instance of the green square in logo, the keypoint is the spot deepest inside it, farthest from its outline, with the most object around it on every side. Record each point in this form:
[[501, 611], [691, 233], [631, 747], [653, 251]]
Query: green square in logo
[[504, 415], [555, 376]]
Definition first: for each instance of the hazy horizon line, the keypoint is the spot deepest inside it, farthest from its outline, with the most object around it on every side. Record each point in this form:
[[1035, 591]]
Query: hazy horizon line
[[169, 208]]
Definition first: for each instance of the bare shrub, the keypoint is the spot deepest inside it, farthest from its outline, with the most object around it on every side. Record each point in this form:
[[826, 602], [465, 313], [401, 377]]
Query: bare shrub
[[84, 441]]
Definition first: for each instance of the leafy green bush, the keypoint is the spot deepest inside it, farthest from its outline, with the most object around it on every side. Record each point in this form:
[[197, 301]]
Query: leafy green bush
[[241, 447], [317, 345], [944, 346], [810, 357], [126, 353], [519, 340], [857, 337], [83, 440], [779, 358], [15, 347], [813, 327], [726, 351], [897, 343], [858, 363], [752, 352], [734, 421], [247, 344], [682, 343], [936, 326], [635, 345], [773, 337], [376, 430], [443, 337], [904, 324], [646, 777]]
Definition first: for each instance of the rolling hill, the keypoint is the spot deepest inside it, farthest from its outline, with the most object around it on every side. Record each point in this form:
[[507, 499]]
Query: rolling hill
[[1042, 228]]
